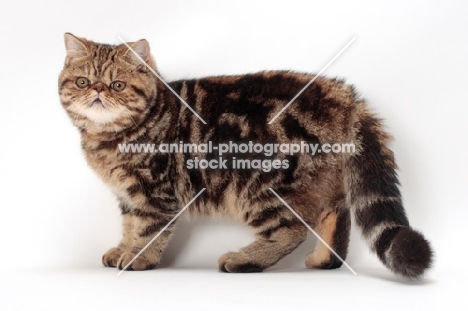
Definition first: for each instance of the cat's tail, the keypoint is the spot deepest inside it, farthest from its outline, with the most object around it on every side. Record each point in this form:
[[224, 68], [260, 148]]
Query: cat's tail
[[372, 191]]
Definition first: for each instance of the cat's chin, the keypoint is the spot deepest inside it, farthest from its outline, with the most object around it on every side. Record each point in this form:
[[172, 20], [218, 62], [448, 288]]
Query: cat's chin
[[100, 115], [96, 128], [96, 120]]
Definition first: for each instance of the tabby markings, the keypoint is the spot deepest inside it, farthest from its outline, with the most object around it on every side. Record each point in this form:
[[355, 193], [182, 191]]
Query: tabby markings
[[162, 80], [222, 162], [312, 81], [312, 230], [160, 232]]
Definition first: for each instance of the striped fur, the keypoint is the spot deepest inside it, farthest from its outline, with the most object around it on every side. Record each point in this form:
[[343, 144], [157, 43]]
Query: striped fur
[[152, 188]]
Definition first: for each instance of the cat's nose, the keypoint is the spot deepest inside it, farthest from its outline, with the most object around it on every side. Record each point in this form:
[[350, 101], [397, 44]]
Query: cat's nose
[[99, 87]]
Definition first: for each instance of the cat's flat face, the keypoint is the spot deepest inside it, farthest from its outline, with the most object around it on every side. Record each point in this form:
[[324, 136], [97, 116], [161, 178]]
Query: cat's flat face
[[106, 88]]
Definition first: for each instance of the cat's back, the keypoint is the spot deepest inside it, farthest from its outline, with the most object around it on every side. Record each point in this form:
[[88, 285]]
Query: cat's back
[[285, 102]]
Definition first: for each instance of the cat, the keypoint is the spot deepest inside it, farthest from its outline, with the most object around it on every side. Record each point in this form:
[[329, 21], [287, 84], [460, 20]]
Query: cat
[[115, 100]]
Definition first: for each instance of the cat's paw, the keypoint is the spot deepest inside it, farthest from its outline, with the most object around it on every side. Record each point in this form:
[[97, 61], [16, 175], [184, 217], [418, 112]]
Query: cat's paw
[[237, 263], [322, 261], [111, 257], [140, 263]]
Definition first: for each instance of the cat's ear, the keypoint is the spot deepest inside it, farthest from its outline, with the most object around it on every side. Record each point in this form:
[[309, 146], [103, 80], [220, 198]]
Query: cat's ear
[[75, 46], [142, 49]]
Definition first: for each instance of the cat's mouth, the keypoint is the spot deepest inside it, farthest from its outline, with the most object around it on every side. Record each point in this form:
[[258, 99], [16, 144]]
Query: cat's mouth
[[97, 101]]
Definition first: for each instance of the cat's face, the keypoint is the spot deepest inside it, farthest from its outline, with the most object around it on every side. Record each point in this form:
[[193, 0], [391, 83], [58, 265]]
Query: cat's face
[[106, 88]]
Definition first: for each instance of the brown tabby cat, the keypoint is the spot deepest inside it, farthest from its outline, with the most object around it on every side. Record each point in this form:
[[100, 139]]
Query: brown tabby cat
[[114, 99]]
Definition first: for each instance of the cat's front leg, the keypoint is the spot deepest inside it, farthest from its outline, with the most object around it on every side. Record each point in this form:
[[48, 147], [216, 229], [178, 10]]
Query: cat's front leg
[[112, 256], [138, 229]]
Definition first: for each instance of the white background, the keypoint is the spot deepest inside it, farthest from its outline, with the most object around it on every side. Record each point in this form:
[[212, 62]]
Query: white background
[[409, 61]]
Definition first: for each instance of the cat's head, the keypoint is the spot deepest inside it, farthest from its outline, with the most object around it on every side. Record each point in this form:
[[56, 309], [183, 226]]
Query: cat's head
[[106, 88]]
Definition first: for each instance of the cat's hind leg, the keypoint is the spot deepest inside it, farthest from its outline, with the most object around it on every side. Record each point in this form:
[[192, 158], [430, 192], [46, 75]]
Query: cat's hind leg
[[278, 233], [334, 228]]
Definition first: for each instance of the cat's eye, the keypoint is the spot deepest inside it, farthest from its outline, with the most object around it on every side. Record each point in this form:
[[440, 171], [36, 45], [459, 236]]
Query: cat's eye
[[82, 82], [118, 86]]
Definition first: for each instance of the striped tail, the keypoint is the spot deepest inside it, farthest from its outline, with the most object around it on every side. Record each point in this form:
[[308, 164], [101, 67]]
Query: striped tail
[[373, 195]]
